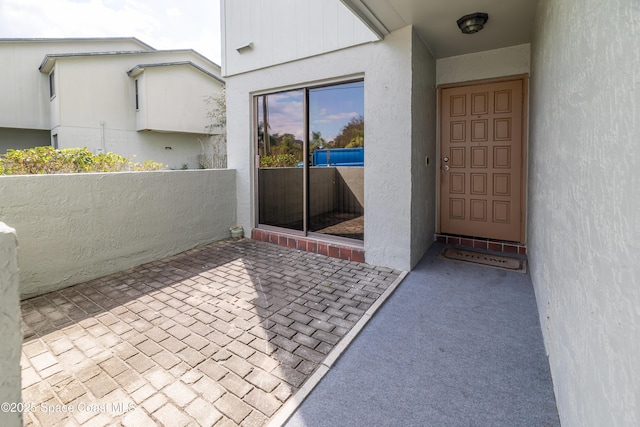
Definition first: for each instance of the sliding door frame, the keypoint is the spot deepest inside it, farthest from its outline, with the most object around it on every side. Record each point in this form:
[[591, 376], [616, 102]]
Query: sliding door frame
[[305, 164]]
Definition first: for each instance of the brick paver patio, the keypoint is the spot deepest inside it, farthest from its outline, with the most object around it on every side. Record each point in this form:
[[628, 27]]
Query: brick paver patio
[[223, 334]]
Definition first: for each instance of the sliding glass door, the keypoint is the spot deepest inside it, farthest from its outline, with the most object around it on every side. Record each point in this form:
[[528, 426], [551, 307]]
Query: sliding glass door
[[280, 149], [310, 168]]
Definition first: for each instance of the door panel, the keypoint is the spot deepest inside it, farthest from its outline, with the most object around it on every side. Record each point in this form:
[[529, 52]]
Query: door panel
[[481, 149]]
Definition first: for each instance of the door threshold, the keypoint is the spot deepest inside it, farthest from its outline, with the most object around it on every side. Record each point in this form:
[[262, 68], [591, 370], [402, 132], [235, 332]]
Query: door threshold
[[481, 243], [340, 250]]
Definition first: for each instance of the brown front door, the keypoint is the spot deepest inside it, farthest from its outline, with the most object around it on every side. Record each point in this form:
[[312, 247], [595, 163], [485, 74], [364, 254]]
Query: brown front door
[[481, 160]]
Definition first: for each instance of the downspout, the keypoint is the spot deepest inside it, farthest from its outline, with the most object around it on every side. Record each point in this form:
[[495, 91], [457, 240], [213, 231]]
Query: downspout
[[103, 148]]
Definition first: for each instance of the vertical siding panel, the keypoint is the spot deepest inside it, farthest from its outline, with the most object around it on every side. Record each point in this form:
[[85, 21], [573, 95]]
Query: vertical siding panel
[[345, 29], [285, 30], [304, 32], [315, 21]]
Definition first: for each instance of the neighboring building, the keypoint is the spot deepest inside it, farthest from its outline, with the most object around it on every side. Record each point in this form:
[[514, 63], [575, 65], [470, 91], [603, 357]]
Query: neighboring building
[[523, 136], [111, 95]]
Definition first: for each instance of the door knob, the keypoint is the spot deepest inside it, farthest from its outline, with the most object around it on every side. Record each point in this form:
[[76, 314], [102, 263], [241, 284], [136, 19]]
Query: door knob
[[446, 167]]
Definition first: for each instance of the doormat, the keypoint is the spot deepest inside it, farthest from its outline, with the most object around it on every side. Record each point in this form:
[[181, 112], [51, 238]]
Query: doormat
[[490, 260]]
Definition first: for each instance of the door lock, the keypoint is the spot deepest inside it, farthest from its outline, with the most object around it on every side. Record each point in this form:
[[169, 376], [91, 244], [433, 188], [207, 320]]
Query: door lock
[[445, 159]]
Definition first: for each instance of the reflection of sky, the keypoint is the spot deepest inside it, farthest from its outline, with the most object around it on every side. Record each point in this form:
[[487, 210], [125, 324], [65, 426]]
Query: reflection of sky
[[330, 109], [286, 113]]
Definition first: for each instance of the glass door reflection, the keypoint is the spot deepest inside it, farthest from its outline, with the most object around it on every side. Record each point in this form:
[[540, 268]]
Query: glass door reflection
[[336, 160], [280, 133]]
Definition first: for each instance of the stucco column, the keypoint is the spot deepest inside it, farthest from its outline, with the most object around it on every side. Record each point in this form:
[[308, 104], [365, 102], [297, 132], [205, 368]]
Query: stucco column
[[10, 330]]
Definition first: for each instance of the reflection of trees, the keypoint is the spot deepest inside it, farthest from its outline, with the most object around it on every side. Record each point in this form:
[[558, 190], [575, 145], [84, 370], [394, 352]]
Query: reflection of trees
[[282, 151], [285, 144], [278, 161], [352, 134], [357, 141], [317, 141]]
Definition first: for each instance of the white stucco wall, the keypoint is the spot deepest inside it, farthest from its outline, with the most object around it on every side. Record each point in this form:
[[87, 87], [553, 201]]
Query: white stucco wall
[[76, 227], [423, 175], [508, 61], [387, 70], [10, 328], [584, 222], [285, 30]]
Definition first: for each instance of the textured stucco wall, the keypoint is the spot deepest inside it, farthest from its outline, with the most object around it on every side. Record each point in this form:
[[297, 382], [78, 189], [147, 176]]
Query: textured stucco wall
[[387, 70], [508, 61], [10, 331], [77, 227], [584, 195], [423, 175]]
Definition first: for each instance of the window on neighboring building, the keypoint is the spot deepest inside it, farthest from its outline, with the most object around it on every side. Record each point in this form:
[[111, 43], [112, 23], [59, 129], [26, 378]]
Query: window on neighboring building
[[311, 171], [136, 90], [52, 85]]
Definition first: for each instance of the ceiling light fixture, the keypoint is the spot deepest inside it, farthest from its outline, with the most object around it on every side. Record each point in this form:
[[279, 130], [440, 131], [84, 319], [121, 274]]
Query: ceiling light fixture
[[472, 23]]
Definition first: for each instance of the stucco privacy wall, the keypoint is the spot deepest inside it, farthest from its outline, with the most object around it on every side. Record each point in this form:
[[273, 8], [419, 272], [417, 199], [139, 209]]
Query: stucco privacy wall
[[508, 61], [584, 226], [386, 67], [10, 330], [77, 227]]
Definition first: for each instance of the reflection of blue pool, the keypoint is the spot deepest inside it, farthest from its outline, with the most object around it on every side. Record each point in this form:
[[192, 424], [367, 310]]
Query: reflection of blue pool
[[338, 157]]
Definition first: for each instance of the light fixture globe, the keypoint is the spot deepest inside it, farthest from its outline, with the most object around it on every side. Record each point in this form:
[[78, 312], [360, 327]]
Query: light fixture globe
[[472, 23]]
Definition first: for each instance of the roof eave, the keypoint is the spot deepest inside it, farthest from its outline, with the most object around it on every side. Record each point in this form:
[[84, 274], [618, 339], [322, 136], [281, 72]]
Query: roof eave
[[139, 69], [368, 18]]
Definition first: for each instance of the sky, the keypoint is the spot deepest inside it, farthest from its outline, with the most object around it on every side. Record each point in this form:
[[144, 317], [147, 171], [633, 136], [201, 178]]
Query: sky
[[162, 24]]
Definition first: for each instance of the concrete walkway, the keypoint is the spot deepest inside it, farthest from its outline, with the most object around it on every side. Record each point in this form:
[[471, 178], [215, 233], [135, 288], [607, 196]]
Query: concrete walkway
[[455, 345], [220, 335]]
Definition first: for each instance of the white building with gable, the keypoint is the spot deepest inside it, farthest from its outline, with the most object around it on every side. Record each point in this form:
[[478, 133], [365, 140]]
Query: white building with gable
[[108, 94]]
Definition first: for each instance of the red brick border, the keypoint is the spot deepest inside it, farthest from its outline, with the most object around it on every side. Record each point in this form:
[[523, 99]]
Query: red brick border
[[492, 245], [307, 244]]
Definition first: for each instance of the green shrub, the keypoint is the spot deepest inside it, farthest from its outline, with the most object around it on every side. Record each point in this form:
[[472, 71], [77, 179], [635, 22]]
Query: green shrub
[[48, 160], [278, 161]]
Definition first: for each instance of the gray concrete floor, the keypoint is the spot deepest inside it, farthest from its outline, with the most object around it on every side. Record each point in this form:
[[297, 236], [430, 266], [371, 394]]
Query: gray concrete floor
[[455, 345], [224, 334]]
